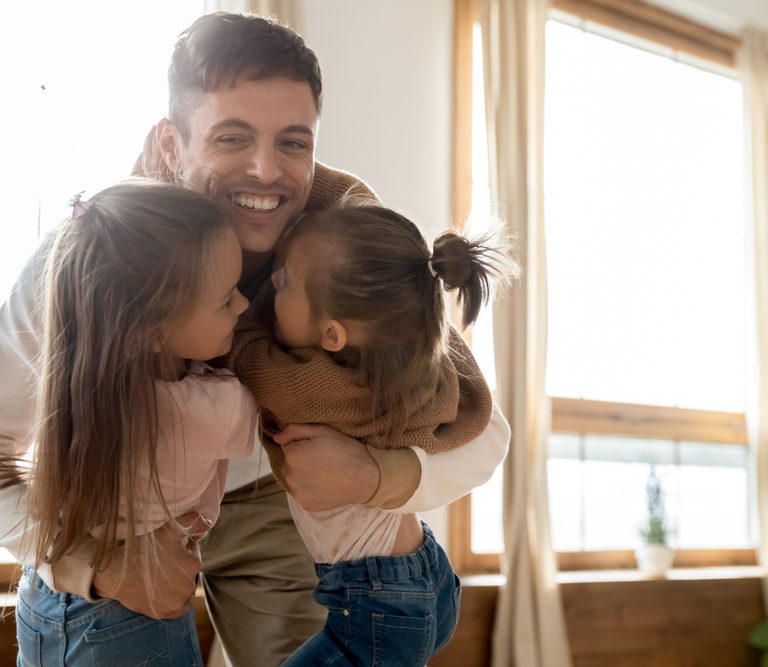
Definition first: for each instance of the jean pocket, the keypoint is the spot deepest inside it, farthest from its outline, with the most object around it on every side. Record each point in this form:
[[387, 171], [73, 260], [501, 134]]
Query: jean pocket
[[29, 641], [140, 640], [402, 640]]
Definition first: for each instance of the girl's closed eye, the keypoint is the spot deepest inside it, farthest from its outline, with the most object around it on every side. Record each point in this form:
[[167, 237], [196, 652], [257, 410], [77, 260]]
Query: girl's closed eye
[[229, 301]]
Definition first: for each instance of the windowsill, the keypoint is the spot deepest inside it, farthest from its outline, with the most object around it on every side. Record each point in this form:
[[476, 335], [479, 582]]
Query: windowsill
[[598, 576], [675, 574]]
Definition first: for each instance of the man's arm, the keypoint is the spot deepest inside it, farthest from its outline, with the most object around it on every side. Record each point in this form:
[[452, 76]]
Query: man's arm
[[171, 586], [325, 469], [19, 328], [451, 475]]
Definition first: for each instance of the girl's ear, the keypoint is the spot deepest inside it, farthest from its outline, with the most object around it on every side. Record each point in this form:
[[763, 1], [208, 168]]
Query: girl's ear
[[334, 336], [168, 144]]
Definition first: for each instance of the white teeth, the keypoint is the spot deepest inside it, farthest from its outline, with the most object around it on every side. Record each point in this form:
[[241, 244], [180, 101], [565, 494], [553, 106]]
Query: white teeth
[[260, 203]]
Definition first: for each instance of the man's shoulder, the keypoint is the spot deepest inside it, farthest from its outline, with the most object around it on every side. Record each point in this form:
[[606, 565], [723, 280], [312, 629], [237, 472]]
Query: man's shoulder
[[331, 185]]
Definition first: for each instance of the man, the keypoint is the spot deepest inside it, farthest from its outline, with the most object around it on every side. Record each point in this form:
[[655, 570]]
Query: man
[[245, 98]]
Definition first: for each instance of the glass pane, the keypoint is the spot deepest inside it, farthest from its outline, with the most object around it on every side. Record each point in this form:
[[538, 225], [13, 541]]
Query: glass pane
[[597, 492], [643, 206], [713, 502], [486, 534], [565, 484]]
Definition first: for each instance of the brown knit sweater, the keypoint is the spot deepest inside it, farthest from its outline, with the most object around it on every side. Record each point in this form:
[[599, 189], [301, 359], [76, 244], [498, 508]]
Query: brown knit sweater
[[305, 386], [330, 185]]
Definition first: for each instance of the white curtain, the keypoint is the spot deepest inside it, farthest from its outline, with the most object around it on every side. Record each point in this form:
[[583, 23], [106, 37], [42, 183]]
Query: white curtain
[[753, 67], [288, 12], [530, 626]]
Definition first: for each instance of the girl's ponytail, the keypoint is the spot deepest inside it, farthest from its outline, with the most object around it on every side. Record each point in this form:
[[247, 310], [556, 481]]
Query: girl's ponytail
[[469, 266]]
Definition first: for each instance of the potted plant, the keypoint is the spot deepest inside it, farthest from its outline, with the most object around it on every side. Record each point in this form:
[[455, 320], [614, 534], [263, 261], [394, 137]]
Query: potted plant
[[654, 556]]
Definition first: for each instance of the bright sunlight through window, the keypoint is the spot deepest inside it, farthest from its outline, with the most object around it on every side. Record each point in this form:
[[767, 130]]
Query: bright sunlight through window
[[646, 254]]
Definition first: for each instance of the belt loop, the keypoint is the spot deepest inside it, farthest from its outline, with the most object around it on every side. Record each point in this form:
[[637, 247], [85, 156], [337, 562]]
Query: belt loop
[[373, 573]]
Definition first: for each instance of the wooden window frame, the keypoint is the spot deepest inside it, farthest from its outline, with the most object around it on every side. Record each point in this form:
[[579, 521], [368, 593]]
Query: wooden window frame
[[639, 20]]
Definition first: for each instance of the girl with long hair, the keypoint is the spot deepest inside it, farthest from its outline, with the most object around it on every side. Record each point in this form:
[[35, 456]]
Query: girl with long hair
[[134, 429], [361, 343]]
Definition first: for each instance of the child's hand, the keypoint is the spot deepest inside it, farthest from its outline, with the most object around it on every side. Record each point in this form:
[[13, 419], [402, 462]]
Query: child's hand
[[174, 583], [325, 469]]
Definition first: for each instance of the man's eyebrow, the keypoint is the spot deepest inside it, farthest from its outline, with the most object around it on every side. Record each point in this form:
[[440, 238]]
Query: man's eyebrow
[[231, 122], [301, 129], [241, 124]]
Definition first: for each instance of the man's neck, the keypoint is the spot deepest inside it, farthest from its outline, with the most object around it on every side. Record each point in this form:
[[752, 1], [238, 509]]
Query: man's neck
[[254, 266]]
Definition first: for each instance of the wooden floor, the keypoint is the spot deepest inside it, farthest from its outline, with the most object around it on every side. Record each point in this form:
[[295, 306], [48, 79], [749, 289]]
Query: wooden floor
[[632, 623]]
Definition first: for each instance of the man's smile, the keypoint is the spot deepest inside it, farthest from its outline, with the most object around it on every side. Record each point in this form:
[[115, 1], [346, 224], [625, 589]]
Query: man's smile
[[266, 203]]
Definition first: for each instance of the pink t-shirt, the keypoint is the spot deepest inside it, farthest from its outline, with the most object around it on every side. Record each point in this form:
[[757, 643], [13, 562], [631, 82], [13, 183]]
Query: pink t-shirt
[[204, 419]]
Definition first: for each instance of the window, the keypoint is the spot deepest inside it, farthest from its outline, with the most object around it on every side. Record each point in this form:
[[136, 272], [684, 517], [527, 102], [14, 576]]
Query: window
[[647, 303]]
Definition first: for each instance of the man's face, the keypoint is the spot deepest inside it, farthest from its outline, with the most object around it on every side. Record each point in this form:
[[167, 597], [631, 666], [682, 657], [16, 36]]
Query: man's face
[[256, 143]]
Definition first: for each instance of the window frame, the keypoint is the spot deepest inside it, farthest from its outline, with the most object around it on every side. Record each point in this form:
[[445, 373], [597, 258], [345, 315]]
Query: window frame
[[685, 37]]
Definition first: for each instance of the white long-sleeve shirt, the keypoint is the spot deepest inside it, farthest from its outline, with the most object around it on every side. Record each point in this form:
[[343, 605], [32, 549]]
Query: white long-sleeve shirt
[[444, 476]]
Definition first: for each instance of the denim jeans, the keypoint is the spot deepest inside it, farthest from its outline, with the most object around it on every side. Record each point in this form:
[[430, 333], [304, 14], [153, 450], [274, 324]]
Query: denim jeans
[[394, 611], [56, 629]]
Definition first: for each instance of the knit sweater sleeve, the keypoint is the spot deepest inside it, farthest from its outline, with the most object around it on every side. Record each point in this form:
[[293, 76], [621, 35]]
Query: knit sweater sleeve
[[331, 185]]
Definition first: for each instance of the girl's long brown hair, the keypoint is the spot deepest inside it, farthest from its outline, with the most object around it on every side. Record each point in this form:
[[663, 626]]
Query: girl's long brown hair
[[372, 265], [113, 276]]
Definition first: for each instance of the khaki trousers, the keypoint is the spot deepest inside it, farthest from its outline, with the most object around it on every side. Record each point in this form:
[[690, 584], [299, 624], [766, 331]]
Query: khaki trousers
[[258, 578]]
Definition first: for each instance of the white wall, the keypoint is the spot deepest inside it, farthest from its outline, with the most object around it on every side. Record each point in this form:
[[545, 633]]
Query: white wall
[[386, 115]]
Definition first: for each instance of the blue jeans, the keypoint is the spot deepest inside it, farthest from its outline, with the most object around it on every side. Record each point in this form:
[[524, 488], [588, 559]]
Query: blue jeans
[[398, 610], [56, 629]]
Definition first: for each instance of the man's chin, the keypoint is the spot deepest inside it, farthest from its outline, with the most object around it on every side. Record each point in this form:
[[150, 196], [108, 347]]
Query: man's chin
[[257, 240]]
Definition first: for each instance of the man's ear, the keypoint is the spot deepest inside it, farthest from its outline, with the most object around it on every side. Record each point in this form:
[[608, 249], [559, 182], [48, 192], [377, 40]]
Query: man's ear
[[169, 144], [334, 336]]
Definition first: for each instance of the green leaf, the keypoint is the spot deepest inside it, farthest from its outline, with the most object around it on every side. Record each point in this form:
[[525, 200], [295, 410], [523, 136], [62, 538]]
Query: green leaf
[[759, 639], [764, 660]]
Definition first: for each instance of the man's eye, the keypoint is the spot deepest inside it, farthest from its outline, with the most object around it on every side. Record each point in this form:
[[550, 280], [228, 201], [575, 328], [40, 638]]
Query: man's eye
[[294, 144], [229, 140]]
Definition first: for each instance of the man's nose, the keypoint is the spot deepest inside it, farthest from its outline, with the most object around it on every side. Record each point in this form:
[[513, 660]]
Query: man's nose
[[264, 164]]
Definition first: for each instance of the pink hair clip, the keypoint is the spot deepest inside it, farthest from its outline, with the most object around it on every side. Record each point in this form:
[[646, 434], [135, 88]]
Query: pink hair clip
[[79, 208]]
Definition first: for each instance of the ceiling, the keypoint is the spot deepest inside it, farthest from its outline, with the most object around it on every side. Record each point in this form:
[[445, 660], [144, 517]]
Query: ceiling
[[725, 15]]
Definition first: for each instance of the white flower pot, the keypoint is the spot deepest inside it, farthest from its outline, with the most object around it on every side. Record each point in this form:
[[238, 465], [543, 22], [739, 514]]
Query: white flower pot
[[654, 559]]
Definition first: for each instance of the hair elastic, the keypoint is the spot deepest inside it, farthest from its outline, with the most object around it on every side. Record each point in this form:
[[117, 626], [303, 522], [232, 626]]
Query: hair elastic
[[431, 268], [79, 207]]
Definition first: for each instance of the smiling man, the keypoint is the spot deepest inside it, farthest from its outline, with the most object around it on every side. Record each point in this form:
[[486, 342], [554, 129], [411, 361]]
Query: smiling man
[[258, 138], [245, 99]]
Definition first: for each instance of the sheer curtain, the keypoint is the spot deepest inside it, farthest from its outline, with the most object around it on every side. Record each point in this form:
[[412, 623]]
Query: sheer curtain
[[530, 627], [753, 65]]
